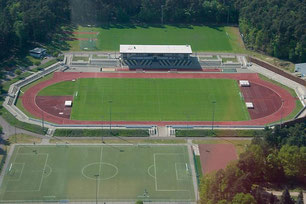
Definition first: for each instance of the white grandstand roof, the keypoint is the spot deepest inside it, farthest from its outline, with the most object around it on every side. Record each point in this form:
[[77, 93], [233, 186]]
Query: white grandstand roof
[[167, 49]]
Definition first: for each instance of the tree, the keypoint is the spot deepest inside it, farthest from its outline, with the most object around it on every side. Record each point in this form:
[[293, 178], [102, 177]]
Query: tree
[[253, 161], [292, 160], [272, 199], [242, 198], [18, 71], [300, 198], [286, 198]]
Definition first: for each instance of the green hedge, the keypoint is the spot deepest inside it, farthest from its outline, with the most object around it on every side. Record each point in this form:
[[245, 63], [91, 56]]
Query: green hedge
[[218, 133], [198, 166], [15, 122], [101, 133], [3, 161]]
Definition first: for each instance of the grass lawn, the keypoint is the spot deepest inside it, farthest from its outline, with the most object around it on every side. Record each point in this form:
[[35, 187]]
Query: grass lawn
[[240, 145], [43, 66], [213, 57], [99, 57], [22, 138], [201, 38], [74, 173], [152, 99], [77, 58], [224, 60]]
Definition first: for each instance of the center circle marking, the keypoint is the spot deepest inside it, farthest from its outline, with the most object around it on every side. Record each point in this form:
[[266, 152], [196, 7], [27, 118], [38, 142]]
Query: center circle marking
[[104, 170]]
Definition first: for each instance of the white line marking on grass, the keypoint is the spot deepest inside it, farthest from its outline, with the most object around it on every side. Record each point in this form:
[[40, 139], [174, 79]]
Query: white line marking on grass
[[168, 154], [83, 174], [17, 179], [41, 180], [42, 175], [100, 164], [176, 172], [156, 174], [49, 172], [149, 171], [10, 167]]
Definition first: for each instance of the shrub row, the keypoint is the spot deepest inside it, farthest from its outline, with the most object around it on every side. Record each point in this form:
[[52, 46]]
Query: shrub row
[[218, 133], [101, 133], [3, 160]]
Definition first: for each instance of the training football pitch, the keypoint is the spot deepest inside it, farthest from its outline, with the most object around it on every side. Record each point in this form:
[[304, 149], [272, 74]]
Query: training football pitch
[[106, 172], [152, 99], [201, 38]]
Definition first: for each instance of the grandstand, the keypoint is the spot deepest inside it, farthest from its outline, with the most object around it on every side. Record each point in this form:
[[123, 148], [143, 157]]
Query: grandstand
[[158, 57]]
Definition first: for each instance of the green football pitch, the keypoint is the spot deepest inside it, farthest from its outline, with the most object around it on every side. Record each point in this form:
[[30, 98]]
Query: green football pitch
[[155, 99], [201, 38], [106, 172]]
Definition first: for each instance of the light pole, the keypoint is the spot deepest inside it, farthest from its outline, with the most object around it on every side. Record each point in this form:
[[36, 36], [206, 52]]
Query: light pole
[[102, 131], [162, 14], [213, 115], [42, 121], [281, 120], [110, 117], [97, 176], [15, 134]]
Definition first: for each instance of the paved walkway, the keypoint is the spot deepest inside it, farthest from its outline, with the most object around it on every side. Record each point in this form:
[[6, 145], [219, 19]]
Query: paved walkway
[[279, 193]]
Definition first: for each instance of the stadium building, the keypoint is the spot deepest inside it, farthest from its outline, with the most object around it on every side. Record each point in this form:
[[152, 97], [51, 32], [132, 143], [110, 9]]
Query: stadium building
[[157, 56]]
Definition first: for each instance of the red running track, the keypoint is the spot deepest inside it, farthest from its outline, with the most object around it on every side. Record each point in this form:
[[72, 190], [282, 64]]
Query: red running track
[[286, 108]]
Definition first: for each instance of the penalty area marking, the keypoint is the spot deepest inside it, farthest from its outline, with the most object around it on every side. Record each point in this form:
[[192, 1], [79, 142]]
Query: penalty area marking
[[149, 171], [21, 171], [176, 170], [41, 179], [49, 167], [155, 167]]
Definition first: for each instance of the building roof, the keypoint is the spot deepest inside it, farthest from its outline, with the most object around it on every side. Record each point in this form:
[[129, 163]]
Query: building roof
[[301, 68], [167, 49], [38, 50]]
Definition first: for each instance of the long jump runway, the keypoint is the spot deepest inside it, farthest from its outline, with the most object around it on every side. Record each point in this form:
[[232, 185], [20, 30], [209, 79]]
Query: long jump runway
[[266, 96]]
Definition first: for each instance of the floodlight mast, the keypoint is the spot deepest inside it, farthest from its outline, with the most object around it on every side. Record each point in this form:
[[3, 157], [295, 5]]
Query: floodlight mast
[[96, 176], [110, 117], [162, 14], [42, 121], [213, 115], [281, 119]]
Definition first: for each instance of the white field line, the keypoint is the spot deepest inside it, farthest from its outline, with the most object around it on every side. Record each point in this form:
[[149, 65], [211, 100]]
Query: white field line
[[155, 173], [17, 179], [41, 180], [42, 175], [154, 155], [100, 164]]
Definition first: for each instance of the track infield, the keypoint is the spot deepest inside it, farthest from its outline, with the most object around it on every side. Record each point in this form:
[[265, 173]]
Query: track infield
[[29, 98], [115, 172]]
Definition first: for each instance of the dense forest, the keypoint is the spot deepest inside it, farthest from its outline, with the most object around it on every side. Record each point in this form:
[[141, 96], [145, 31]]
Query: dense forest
[[274, 27], [276, 160]]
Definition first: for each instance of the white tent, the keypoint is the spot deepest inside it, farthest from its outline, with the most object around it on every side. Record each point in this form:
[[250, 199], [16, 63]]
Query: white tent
[[68, 103]]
